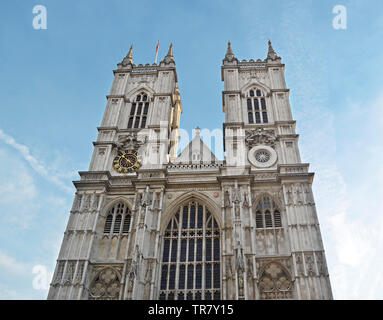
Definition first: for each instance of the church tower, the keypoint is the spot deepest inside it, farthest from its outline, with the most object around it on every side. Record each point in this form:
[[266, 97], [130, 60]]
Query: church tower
[[147, 223]]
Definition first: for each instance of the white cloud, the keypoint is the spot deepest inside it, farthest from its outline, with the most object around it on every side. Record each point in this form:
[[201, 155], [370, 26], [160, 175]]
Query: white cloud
[[351, 212], [346, 154], [9, 265], [42, 169]]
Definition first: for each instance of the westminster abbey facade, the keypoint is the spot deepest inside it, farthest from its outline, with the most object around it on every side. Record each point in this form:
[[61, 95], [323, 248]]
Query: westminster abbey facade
[[148, 222]]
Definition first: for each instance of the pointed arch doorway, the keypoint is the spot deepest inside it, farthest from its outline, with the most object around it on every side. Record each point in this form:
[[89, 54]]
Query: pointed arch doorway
[[191, 254]]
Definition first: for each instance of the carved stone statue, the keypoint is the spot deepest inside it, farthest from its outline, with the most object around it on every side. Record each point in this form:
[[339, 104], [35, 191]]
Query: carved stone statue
[[290, 200], [148, 279], [249, 267], [239, 260], [146, 199], [227, 198], [236, 196], [299, 194], [245, 200], [237, 211], [240, 283], [229, 270]]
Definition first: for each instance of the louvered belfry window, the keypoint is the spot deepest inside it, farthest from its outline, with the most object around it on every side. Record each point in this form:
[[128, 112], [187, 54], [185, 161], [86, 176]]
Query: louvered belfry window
[[256, 107], [191, 255], [139, 111], [267, 214], [119, 215]]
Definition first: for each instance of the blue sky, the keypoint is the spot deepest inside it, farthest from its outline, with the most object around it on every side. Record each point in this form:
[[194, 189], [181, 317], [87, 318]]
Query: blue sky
[[53, 85]]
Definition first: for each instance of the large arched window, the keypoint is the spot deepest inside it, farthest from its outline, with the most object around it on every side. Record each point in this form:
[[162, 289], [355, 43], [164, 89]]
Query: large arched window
[[118, 219], [191, 255], [139, 111], [256, 106], [267, 214]]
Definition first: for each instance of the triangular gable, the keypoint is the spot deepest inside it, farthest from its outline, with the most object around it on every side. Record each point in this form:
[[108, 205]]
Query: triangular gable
[[196, 152]]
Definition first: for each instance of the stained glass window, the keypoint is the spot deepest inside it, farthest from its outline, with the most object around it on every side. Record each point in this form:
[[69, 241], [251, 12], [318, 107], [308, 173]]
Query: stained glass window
[[191, 255]]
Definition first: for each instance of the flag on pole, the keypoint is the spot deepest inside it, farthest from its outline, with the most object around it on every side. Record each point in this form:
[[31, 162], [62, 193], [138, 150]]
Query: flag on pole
[[155, 59]]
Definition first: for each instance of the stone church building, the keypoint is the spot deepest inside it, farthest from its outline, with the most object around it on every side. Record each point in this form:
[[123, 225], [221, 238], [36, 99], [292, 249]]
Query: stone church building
[[149, 223]]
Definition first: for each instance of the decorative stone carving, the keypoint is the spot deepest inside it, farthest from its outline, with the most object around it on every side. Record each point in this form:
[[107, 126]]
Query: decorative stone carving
[[298, 260], [78, 202], [227, 198], [87, 200], [240, 285], [106, 285], [95, 201], [321, 264], [239, 259], [308, 195], [229, 269], [80, 271], [290, 199], [309, 262], [249, 267], [133, 270], [138, 200], [237, 211], [245, 200], [260, 137], [131, 141], [150, 175], [148, 279], [69, 273], [146, 200], [275, 282], [236, 196], [298, 192], [265, 176]]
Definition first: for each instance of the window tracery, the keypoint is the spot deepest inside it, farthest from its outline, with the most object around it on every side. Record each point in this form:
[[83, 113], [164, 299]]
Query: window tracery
[[139, 111], [118, 219], [267, 214], [256, 106], [191, 255], [106, 285], [275, 282]]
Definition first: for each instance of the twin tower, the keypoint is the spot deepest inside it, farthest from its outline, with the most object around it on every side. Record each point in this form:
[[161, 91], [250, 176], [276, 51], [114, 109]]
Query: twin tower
[[148, 222]]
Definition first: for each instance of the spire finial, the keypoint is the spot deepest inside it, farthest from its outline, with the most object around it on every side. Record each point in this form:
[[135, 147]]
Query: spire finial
[[170, 52], [129, 57], [229, 53], [169, 57], [271, 53], [197, 131], [130, 53]]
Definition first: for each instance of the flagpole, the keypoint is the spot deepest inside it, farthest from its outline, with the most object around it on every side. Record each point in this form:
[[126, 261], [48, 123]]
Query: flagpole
[[155, 59]]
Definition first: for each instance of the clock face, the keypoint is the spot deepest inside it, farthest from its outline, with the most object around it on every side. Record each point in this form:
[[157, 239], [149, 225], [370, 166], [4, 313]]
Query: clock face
[[126, 162], [262, 156]]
